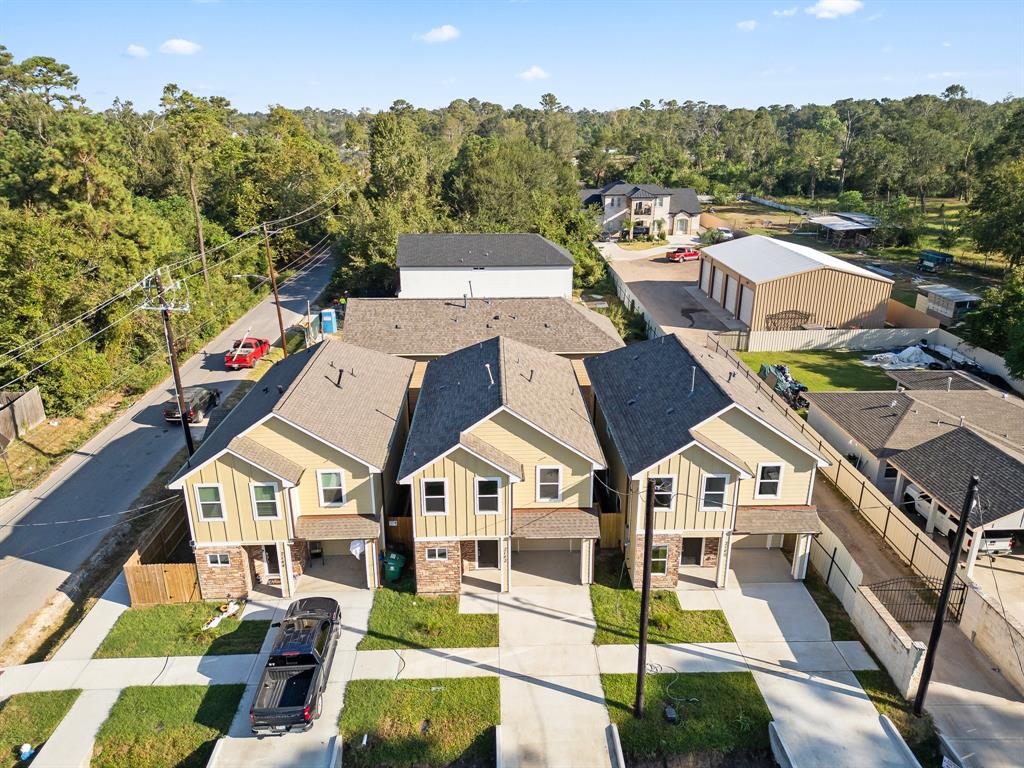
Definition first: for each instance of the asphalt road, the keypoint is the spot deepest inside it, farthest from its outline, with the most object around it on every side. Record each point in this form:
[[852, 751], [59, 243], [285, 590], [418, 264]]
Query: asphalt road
[[109, 471]]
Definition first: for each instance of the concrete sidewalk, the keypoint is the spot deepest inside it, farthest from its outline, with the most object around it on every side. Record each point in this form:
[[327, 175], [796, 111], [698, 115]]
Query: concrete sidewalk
[[70, 745], [89, 634]]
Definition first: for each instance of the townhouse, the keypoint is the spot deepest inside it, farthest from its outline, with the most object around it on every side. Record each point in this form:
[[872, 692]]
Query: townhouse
[[500, 463], [300, 473], [728, 471]]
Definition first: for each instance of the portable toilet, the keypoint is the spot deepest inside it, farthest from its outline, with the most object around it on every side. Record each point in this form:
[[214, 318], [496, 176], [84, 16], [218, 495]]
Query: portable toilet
[[328, 321]]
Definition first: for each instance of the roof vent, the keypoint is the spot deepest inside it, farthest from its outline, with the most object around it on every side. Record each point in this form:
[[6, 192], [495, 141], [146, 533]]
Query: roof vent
[[961, 421], [894, 403], [397, 327], [489, 374], [631, 402], [731, 375], [547, 325], [280, 389], [693, 380], [670, 411]]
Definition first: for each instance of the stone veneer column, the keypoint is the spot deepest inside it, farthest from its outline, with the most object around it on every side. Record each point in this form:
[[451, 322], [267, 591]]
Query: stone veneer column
[[674, 542], [438, 576], [221, 582]]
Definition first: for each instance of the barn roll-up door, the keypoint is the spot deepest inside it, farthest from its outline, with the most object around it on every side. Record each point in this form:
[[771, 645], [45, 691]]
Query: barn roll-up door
[[716, 285], [730, 293], [746, 304], [705, 275]]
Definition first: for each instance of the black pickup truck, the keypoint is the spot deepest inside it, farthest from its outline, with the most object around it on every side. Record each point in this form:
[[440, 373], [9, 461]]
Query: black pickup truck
[[290, 694]]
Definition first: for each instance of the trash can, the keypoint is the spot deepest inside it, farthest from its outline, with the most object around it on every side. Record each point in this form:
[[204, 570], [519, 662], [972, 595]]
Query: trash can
[[393, 563]]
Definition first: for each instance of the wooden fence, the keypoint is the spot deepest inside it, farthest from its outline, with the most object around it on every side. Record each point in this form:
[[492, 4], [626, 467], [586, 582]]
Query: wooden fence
[[154, 582], [611, 529], [399, 533], [19, 412]]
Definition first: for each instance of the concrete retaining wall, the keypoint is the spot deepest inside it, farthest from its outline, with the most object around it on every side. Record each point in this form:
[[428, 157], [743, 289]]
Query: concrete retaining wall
[[997, 637]]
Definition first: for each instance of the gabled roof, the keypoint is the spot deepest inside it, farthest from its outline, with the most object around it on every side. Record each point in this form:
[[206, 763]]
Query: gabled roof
[[434, 327], [480, 250], [654, 394], [943, 467], [466, 387], [924, 379], [681, 199], [762, 259], [345, 396]]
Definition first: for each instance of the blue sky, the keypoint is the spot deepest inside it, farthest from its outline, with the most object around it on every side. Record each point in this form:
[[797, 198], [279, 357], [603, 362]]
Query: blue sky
[[589, 54]]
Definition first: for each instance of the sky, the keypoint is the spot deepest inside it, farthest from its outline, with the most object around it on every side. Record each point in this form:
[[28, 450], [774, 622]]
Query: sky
[[590, 54]]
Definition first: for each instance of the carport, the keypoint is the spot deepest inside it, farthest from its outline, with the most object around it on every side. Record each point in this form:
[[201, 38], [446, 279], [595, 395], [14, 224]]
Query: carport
[[553, 546], [331, 564], [768, 527]]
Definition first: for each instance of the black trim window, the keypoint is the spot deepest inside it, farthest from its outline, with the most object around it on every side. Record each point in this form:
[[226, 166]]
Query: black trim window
[[659, 559]]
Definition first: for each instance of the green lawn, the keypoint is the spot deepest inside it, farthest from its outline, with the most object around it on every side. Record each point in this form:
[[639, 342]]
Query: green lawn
[[825, 371], [839, 624], [166, 726], [729, 718], [176, 630], [617, 612], [421, 723], [919, 733], [402, 619], [640, 245], [30, 718]]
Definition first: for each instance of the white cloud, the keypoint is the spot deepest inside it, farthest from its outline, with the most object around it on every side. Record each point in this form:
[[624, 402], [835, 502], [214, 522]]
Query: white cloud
[[179, 47], [947, 44], [136, 51], [944, 75], [441, 34], [833, 9], [786, 11], [747, 26], [533, 73]]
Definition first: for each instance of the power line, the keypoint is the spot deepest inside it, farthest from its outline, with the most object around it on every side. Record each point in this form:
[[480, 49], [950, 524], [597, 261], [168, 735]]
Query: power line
[[995, 580], [162, 502], [309, 208]]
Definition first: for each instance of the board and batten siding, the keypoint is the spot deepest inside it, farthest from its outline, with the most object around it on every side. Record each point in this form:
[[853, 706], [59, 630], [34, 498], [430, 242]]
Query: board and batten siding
[[239, 524], [460, 469], [533, 448], [688, 467], [313, 454]]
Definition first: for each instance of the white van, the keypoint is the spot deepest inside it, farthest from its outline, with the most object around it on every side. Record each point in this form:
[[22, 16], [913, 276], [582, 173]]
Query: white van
[[946, 522]]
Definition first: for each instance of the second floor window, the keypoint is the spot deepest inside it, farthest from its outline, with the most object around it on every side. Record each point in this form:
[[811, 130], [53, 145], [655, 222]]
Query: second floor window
[[769, 481], [713, 496], [487, 495], [664, 492], [332, 490], [435, 497], [211, 506], [549, 483], [264, 500]]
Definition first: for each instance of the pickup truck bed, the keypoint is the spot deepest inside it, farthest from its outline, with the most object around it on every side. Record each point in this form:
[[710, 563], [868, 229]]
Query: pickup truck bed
[[283, 688]]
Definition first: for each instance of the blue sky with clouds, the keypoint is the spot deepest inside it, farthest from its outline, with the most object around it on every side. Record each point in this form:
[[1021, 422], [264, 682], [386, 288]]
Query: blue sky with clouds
[[588, 53]]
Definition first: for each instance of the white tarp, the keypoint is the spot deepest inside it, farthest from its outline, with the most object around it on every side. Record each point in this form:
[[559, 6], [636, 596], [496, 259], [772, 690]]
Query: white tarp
[[909, 359], [357, 547]]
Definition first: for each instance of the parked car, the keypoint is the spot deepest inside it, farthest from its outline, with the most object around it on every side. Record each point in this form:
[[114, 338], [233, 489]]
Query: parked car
[[946, 522], [683, 254], [640, 231], [245, 352], [289, 696], [726, 233], [198, 400]]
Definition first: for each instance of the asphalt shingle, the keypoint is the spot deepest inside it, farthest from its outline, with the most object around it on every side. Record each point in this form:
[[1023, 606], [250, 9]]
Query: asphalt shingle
[[480, 250]]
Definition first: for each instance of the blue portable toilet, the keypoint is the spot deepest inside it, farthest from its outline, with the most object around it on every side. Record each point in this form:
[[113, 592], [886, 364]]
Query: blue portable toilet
[[328, 321]]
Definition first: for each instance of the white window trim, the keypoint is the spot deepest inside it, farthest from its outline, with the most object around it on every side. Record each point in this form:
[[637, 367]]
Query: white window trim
[[757, 480], [476, 496], [217, 555], [659, 559], [277, 500], [199, 503], [435, 550], [725, 493], [558, 469], [675, 483], [320, 486], [423, 496]]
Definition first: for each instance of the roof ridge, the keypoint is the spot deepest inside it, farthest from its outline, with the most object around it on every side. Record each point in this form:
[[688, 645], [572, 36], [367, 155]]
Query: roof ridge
[[502, 371], [286, 395]]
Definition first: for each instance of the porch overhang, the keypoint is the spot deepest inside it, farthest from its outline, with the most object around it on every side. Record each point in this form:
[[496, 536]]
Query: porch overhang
[[776, 520], [555, 523], [328, 527]]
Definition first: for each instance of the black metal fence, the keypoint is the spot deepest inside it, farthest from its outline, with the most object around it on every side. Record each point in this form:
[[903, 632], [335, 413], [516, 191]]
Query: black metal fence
[[915, 599]]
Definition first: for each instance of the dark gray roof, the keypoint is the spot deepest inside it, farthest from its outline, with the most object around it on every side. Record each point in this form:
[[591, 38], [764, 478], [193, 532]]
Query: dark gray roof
[[590, 196], [935, 380], [480, 250], [943, 466], [434, 327], [644, 394], [461, 389], [682, 199]]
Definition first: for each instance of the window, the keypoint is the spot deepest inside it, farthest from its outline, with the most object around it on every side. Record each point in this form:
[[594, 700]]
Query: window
[[218, 559], [332, 491], [549, 483], [209, 501], [437, 553], [664, 492], [659, 559], [321, 639], [435, 497], [891, 472], [769, 481], [487, 495], [264, 501], [713, 496]]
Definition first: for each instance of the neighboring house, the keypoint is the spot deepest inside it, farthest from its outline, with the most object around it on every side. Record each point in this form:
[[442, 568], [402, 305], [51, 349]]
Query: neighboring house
[[304, 464], [927, 379], [447, 266], [499, 464], [776, 285], [728, 470], [903, 438], [675, 210], [946, 304]]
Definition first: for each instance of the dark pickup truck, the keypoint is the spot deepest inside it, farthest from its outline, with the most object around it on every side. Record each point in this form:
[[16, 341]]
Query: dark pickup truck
[[289, 696]]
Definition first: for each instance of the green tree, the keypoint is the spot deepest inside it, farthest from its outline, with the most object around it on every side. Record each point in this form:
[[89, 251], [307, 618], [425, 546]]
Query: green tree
[[999, 317], [997, 211]]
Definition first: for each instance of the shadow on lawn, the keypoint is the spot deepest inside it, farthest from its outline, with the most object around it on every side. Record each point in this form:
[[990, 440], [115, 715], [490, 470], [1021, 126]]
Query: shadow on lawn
[[416, 751]]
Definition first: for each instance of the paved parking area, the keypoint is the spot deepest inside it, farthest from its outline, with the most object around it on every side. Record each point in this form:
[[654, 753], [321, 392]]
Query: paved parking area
[[1003, 577]]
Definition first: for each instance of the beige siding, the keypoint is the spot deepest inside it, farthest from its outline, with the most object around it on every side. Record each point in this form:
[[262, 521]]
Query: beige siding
[[532, 448], [312, 454], [461, 470], [688, 467], [755, 444], [390, 495], [239, 524]]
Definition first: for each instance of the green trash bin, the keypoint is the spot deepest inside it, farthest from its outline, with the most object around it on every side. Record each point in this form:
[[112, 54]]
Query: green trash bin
[[393, 563]]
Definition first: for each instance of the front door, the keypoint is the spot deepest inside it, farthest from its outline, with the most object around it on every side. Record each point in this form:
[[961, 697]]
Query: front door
[[692, 551], [270, 558], [487, 553]]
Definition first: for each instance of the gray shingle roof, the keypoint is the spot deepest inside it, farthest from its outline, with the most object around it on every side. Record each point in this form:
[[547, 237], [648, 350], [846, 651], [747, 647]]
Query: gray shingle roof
[[754, 520], [487, 451], [264, 457], [461, 389], [480, 250], [681, 199], [555, 524], [943, 467], [319, 527], [434, 327], [935, 380]]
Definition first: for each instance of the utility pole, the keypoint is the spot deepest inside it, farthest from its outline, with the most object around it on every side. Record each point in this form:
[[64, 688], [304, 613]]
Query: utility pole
[[273, 285], [645, 600], [165, 308], [947, 584]]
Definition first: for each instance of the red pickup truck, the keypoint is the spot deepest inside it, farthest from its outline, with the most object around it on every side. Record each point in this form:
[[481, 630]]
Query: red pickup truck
[[245, 352], [683, 254]]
